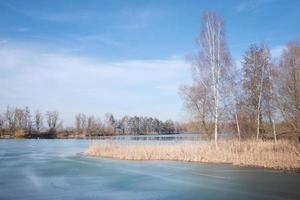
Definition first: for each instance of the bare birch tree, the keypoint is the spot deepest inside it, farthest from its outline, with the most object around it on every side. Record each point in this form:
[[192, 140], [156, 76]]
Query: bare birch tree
[[233, 95], [214, 59], [289, 86], [256, 81]]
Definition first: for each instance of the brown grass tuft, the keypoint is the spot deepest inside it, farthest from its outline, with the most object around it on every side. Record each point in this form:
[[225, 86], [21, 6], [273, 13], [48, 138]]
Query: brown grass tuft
[[20, 133]]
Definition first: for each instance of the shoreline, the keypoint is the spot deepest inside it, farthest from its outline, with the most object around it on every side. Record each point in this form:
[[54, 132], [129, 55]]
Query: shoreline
[[266, 155], [294, 170]]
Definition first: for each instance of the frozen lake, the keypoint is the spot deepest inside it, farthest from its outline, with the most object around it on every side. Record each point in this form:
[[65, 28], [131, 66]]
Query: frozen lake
[[56, 169]]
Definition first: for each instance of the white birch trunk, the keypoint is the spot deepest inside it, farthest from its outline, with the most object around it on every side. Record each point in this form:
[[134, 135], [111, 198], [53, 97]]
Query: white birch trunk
[[258, 121], [213, 38], [259, 102], [274, 131], [238, 126], [216, 118]]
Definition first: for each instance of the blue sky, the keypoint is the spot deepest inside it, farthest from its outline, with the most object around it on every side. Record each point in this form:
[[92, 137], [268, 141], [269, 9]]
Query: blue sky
[[124, 57]]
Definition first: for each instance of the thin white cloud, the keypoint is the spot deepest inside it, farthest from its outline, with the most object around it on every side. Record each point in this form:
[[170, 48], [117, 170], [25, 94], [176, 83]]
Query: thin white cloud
[[125, 18], [277, 51], [21, 29], [99, 39], [72, 84], [3, 41], [68, 16], [252, 6]]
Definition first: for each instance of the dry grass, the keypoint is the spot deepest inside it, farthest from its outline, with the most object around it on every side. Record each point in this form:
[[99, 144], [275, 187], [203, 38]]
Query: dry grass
[[284, 155], [19, 133]]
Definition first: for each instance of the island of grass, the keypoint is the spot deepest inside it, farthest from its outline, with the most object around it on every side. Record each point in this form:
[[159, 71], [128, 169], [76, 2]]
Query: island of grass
[[284, 155]]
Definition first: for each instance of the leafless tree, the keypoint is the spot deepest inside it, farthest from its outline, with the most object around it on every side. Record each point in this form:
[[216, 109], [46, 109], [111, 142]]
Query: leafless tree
[[38, 121], [52, 120], [81, 123], [233, 94], [78, 123], [271, 98], [91, 126], [19, 118], [256, 63], [198, 102], [289, 85], [28, 120], [10, 119], [2, 124], [111, 123], [213, 61], [125, 125]]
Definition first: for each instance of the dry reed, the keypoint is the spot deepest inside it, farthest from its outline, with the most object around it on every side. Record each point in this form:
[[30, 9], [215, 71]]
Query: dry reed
[[283, 155]]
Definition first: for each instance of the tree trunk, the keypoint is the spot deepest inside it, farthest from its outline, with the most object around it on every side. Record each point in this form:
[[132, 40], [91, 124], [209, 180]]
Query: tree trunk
[[258, 112], [238, 126], [274, 132], [258, 123], [216, 117]]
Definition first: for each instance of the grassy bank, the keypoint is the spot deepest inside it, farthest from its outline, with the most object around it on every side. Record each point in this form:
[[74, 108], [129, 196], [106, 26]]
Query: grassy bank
[[283, 155]]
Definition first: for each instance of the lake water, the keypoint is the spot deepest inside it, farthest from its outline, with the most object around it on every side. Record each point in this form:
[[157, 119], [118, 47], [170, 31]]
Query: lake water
[[57, 169]]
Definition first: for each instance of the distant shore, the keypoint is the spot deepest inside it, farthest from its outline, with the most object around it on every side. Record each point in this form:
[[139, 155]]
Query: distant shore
[[72, 135], [285, 155]]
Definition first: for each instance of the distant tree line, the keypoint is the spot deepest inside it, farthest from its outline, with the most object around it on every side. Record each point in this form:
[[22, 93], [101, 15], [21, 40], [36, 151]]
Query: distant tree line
[[260, 99], [20, 122], [127, 125]]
